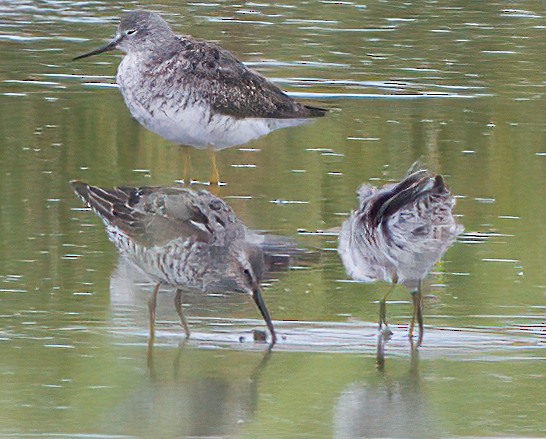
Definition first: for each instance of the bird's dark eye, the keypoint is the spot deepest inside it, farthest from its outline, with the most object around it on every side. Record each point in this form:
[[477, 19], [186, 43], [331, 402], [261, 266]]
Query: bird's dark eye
[[248, 274], [130, 32]]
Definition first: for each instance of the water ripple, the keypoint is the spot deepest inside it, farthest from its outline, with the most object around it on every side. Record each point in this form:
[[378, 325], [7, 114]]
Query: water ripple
[[466, 344]]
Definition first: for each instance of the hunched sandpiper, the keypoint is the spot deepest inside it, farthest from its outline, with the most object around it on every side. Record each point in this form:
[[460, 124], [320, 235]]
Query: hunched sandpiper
[[183, 238], [397, 234]]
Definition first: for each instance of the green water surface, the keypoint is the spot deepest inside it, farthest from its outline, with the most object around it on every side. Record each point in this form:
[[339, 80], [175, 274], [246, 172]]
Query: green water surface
[[459, 85]]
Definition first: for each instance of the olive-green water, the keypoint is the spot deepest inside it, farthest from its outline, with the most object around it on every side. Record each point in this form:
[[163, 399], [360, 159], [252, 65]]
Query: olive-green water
[[458, 85]]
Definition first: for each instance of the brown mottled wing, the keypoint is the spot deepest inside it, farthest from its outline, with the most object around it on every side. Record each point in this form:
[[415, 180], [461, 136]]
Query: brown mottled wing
[[150, 216], [234, 89]]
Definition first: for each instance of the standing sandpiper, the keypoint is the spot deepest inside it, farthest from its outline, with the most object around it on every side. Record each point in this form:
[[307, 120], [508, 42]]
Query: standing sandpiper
[[194, 93], [183, 238], [397, 234]]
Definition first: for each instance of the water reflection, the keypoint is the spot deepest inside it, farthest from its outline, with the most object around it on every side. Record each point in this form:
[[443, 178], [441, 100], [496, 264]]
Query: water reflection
[[194, 93], [193, 394], [397, 234], [181, 238], [385, 407]]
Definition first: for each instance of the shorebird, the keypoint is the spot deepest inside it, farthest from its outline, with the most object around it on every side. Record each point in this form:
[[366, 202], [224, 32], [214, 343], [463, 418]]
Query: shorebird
[[397, 234], [194, 93], [187, 239]]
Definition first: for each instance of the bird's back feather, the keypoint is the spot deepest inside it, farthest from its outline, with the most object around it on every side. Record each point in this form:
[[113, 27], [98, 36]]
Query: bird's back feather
[[154, 216], [231, 88]]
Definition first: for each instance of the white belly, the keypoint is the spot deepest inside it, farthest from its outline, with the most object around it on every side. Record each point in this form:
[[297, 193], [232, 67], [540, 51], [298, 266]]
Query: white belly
[[193, 125]]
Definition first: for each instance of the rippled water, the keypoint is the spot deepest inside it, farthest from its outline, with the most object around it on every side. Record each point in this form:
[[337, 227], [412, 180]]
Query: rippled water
[[460, 86]]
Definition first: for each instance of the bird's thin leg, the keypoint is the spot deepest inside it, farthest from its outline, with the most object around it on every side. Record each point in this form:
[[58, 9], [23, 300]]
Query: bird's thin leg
[[417, 298], [178, 306], [214, 175], [152, 303], [187, 165], [383, 304]]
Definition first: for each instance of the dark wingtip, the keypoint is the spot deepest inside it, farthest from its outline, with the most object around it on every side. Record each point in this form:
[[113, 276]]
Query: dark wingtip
[[316, 111], [79, 187], [83, 192]]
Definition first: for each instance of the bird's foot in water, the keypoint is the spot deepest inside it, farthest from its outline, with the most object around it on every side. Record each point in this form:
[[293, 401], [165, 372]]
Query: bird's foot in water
[[385, 332]]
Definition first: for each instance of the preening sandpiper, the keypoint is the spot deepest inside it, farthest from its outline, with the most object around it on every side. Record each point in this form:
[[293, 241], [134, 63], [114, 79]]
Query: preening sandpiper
[[397, 234], [194, 93]]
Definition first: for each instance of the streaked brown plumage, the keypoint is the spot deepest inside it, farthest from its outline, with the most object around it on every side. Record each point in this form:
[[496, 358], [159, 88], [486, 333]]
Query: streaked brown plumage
[[180, 237]]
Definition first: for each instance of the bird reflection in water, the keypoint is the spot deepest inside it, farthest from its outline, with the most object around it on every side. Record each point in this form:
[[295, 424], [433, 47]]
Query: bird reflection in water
[[200, 393], [385, 406], [186, 239], [194, 93], [397, 234]]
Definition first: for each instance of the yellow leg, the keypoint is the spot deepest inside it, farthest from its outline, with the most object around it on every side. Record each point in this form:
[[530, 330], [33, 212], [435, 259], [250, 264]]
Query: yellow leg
[[385, 332], [178, 305], [152, 303], [417, 298], [214, 175], [383, 303]]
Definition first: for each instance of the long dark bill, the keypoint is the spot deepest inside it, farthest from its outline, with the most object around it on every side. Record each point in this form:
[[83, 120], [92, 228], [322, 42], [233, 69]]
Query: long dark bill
[[257, 296], [105, 48]]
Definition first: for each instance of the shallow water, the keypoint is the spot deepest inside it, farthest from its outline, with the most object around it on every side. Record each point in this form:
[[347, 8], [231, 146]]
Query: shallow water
[[459, 87]]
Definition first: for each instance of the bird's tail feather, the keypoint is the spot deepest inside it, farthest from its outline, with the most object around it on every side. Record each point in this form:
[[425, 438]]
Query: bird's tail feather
[[108, 205]]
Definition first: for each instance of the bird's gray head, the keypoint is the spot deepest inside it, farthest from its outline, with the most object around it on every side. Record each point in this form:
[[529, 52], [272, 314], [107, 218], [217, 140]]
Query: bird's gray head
[[138, 31], [142, 30], [239, 268], [241, 271]]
